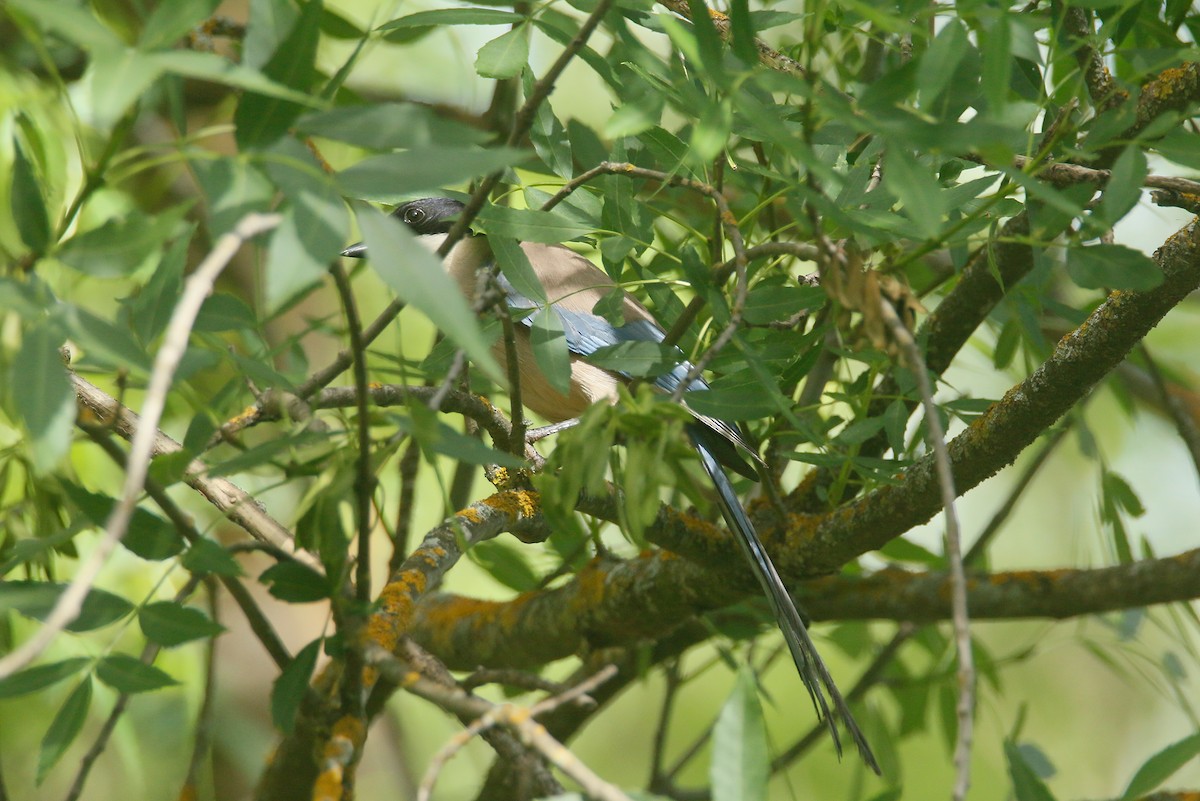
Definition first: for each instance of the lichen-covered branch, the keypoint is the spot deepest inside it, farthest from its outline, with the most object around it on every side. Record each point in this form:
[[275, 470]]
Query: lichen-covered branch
[[314, 754], [556, 623], [1056, 594]]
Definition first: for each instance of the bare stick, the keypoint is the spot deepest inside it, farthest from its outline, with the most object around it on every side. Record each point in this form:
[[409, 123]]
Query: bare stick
[[958, 581], [197, 288]]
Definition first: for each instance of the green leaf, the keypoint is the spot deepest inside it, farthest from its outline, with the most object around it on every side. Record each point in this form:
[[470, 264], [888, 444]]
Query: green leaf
[[505, 563], [104, 342], [1026, 784], [170, 623], [28, 206], [73, 21], [44, 399], [417, 277], [215, 68], [549, 343], [65, 727], [549, 137], [917, 189], [711, 131], [742, 32], [262, 119], [149, 536], [730, 404], [773, 300], [150, 309], [269, 23], [119, 246], [38, 548], [292, 265], [639, 359], [37, 678], [997, 68], [435, 436], [128, 674], [452, 16], [709, 48], [292, 684], [506, 55], [335, 26], [1112, 267], [120, 77], [396, 176], [741, 762], [206, 556], [1160, 767], [171, 21], [764, 20], [1124, 188], [36, 598], [388, 126], [315, 223], [295, 583], [233, 188], [936, 68], [514, 264], [225, 312], [530, 225]]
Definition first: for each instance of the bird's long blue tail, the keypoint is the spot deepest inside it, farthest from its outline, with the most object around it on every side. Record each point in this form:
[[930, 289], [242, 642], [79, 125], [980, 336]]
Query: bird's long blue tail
[[812, 670]]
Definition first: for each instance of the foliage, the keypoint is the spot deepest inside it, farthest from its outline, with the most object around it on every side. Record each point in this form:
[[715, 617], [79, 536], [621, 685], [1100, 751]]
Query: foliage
[[772, 182]]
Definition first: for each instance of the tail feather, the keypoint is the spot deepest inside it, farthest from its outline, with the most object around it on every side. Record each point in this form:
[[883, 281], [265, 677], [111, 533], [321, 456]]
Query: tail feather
[[812, 670]]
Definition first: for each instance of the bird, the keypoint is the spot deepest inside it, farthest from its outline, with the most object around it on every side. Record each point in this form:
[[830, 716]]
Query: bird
[[574, 285]]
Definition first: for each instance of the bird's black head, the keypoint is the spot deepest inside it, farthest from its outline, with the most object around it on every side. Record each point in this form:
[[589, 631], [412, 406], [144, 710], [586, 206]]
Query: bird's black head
[[428, 215]]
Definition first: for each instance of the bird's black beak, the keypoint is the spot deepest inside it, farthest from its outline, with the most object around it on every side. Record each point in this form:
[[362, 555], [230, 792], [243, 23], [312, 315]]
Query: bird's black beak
[[356, 251]]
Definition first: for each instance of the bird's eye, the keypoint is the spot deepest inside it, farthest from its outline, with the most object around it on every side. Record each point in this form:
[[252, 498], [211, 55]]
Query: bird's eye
[[414, 216]]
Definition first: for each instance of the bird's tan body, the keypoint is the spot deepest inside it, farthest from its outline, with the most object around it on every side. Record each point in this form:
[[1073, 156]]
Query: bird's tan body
[[579, 288]]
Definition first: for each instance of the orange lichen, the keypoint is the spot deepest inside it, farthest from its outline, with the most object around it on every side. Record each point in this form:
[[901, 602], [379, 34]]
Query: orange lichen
[[443, 618], [328, 786], [242, 417], [591, 585], [394, 613], [514, 503], [470, 515], [350, 729]]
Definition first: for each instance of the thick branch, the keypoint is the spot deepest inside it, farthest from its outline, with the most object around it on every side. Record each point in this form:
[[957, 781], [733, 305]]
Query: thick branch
[[226, 496], [541, 627], [994, 440], [1057, 594]]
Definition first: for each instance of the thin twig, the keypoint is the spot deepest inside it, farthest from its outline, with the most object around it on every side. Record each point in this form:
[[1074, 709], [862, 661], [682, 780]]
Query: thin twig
[[965, 708], [658, 780], [1185, 424], [410, 464], [148, 655], [238, 506], [179, 328], [521, 679], [204, 717], [486, 715], [516, 439], [349, 620], [183, 524]]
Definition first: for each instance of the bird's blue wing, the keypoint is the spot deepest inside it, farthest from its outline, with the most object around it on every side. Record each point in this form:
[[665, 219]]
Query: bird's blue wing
[[587, 333]]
